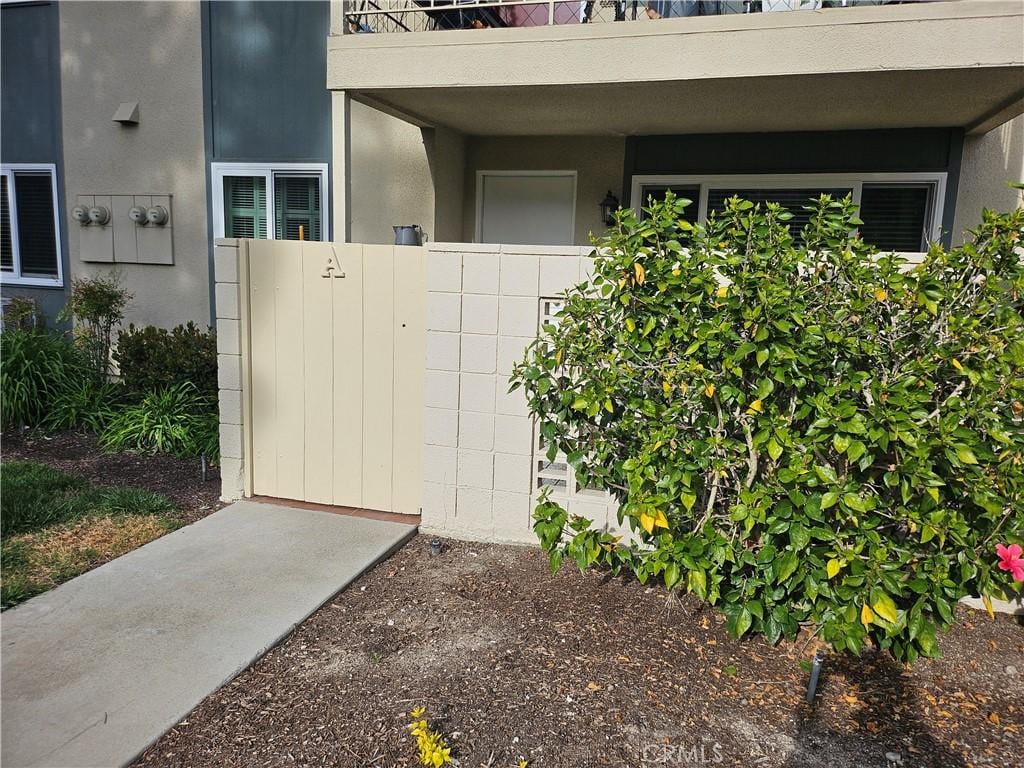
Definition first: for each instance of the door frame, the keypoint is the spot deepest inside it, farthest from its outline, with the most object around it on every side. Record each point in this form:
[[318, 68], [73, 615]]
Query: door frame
[[480, 175]]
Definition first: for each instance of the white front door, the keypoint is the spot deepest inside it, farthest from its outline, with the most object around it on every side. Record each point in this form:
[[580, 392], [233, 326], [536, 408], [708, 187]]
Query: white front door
[[526, 207]]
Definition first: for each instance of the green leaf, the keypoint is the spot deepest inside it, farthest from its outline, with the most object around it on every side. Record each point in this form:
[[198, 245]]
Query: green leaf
[[672, 575], [966, 455], [774, 449], [697, 582], [762, 355], [855, 451], [854, 502], [743, 622], [840, 443], [787, 566], [829, 499]]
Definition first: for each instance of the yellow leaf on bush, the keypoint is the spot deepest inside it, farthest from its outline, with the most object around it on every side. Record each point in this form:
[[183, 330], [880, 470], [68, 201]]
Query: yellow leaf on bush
[[867, 616], [755, 407], [886, 608], [709, 390], [651, 520], [833, 567], [722, 292], [639, 272], [647, 522], [956, 364]]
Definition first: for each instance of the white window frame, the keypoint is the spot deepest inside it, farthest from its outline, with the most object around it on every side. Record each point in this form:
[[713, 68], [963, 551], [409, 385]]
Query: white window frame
[[480, 175], [15, 277], [218, 171], [854, 181]]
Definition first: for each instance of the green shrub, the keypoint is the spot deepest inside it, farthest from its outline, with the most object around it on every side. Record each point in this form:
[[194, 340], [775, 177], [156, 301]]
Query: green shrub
[[22, 313], [805, 432], [97, 306], [174, 420], [149, 358], [36, 368], [85, 403]]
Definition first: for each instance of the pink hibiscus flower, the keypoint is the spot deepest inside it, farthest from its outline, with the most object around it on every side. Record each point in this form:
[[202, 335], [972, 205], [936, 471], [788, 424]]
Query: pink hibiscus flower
[[1010, 560]]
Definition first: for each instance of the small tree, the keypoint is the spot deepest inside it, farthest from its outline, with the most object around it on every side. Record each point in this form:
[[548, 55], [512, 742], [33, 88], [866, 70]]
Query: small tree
[[97, 306], [796, 427]]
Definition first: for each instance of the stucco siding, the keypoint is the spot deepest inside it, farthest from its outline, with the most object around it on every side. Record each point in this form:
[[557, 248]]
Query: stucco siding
[[989, 162], [390, 181], [150, 53]]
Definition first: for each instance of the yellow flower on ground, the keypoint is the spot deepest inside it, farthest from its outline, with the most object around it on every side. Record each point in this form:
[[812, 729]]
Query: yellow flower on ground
[[881, 294]]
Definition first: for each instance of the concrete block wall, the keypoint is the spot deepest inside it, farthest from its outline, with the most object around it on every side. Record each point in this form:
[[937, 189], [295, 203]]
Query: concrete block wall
[[483, 309], [229, 367]]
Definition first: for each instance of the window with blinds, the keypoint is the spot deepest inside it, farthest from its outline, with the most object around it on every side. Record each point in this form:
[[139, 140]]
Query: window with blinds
[[296, 205], [29, 244], [245, 204], [793, 200], [6, 248], [895, 216]]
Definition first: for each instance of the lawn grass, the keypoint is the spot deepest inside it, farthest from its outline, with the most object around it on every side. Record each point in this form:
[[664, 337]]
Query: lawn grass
[[55, 526]]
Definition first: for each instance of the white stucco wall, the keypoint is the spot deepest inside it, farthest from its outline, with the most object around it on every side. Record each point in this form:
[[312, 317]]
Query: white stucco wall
[[150, 53], [990, 160]]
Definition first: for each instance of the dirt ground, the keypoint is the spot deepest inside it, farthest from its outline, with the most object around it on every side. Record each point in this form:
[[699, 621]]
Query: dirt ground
[[574, 671], [180, 480]]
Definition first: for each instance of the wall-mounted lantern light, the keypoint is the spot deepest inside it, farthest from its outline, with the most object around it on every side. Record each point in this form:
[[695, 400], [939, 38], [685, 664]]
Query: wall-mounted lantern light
[[609, 206]]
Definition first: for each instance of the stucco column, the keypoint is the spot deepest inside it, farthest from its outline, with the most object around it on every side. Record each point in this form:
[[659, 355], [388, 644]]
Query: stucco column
[[341, 135]]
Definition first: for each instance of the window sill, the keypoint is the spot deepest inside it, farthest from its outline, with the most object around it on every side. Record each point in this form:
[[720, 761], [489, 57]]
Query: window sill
[[32, 282]]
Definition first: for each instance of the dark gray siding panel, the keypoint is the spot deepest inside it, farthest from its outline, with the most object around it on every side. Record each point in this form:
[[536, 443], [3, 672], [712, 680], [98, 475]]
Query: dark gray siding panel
[[30, 119], [920, 149], [267, 70], [806, 152]]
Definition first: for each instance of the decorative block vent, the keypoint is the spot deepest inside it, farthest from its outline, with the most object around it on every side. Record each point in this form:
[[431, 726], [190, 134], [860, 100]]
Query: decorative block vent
[[557, 474]]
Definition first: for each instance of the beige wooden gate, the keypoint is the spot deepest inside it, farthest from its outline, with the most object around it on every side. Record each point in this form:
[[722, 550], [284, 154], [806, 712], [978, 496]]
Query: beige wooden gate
[[336, 368]]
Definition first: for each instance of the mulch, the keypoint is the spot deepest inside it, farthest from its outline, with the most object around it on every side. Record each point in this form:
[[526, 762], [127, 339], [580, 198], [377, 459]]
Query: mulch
[[579, 670], [180, 480]]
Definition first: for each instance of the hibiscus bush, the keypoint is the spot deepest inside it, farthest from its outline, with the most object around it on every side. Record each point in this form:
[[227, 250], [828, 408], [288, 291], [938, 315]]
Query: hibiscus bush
[[801, 430]]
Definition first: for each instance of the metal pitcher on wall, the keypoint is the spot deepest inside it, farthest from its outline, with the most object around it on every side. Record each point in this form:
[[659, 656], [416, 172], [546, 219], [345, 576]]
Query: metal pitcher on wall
[[410, 234]]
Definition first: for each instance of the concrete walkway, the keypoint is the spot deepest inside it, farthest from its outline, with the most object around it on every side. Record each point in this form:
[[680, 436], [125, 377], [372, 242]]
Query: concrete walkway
[[97, 669]]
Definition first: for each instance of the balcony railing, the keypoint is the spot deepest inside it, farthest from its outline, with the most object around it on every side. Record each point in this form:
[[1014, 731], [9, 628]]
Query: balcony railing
[[369, 16]]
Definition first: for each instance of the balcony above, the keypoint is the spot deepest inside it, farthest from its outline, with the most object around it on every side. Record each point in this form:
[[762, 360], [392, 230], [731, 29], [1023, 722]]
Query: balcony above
[[950, 63]]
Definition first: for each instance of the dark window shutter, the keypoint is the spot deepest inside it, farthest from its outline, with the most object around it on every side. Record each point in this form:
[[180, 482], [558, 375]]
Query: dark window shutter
[[6, 252], [793, 200], [37, 232], [245, 207], [895, 216], [297, 202]]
